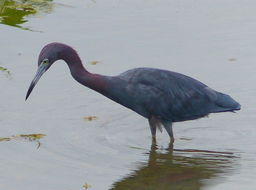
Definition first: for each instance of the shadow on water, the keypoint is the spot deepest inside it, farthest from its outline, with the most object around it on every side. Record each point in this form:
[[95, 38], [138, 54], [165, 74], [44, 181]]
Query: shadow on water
[[14, 12], [178, 169]]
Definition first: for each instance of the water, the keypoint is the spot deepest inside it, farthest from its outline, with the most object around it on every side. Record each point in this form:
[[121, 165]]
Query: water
[[213, 41]]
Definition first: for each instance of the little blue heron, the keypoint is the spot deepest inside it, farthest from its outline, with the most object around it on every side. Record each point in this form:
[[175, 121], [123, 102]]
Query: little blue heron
[[161, 96]]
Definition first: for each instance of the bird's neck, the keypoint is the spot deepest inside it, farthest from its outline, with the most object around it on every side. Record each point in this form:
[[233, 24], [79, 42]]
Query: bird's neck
[[81, 75]]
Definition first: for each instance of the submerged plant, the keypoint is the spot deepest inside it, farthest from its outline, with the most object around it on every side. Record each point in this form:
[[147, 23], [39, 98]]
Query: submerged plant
[[13, 12], [6, 71], [90, 118], [86, 186], [27, 137], [94, 62]]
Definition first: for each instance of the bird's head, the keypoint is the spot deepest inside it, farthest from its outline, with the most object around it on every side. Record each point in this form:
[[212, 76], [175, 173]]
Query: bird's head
[[49, 54]]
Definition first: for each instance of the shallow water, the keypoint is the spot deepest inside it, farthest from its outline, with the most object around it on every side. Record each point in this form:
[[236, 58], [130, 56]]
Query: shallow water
[[213, 41]]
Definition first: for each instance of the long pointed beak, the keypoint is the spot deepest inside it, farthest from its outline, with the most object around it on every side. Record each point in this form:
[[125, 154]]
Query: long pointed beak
[[40, 71]]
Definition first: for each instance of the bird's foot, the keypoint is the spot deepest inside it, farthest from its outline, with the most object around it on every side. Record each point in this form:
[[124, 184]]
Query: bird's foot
[[172, 140]]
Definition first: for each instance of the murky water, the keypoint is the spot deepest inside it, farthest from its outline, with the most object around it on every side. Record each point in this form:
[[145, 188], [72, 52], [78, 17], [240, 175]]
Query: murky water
[[213, 41]]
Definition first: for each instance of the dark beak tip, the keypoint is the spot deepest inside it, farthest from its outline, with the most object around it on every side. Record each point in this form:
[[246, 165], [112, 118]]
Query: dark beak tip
[[29, 91], [40, 71]]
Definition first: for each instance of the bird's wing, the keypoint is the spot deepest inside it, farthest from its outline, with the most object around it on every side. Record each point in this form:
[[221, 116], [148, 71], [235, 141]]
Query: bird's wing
[[168, 94]]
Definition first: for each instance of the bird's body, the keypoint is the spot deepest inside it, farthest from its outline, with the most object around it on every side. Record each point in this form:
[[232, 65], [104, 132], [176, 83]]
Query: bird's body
[[161, 96]]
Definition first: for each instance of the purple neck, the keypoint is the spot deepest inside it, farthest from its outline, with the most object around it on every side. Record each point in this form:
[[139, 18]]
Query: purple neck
[[79, 73], [70, 56]]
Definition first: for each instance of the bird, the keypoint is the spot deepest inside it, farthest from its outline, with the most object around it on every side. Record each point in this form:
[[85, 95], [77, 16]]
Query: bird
[[162, 97]]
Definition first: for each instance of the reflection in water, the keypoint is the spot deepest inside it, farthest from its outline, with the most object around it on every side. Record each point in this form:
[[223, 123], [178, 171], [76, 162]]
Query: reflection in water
[[178, 169], [13, 12]]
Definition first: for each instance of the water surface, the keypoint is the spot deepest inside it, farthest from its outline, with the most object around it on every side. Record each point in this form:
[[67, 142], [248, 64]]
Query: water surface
[[212, 41]]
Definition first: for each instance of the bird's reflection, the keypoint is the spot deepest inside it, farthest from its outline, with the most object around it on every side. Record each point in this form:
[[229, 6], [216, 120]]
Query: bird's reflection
[[178, 169]]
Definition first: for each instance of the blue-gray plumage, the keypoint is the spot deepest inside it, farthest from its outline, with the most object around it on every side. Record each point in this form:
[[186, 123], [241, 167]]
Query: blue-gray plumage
[[161, 96]]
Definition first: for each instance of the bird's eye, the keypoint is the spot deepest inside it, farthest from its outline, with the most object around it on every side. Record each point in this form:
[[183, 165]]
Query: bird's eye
[[45, 61]]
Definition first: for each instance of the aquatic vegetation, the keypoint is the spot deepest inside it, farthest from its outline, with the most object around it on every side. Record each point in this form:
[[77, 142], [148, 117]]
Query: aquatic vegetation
[[86, 186], [31, 137], [94, 62], [26, 137], [90, 118], [14, 12], [6, 71], [5, 139]]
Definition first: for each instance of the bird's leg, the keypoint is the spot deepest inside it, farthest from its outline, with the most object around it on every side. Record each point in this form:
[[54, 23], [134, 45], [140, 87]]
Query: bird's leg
[[153, 141], [152, 128], [168, 128]]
